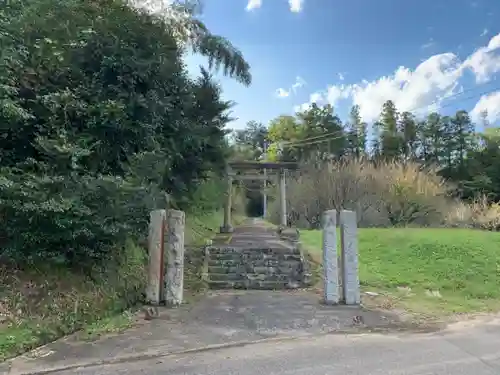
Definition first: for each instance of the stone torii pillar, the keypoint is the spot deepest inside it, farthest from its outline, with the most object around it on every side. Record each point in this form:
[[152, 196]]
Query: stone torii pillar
[[283, 215], [227, 226]]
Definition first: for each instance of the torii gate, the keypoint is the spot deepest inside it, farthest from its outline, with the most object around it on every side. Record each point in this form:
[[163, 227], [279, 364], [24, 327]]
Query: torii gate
[[232, 169]]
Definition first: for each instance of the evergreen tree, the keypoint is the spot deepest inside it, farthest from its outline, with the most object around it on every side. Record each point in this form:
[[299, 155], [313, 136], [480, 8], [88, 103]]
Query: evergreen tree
[[391, 141]]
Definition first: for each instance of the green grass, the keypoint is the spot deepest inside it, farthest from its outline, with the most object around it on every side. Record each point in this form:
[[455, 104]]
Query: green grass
[[113, 324], [463, 265]]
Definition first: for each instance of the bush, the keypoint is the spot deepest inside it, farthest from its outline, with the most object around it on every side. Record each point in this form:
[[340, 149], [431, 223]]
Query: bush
[[479, 214], [71, 220]]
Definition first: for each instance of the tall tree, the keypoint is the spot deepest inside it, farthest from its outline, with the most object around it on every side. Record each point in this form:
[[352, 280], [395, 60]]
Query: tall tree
[[356, 133], [251, 140], [462, 132], [431, 135], [283, 133], [390, 138], [183, 18], [98, 119], [409, 131], [322, 121]]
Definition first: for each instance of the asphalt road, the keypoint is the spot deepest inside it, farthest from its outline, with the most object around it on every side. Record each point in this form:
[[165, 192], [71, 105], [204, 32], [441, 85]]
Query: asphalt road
[[464, 352]]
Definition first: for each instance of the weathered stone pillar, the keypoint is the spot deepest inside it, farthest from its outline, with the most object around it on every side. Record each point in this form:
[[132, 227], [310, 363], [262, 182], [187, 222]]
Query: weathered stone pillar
[[349, 257], [283, 217], [174, 281], [330, 259], [264, 187], [156, 270], [227, 226]]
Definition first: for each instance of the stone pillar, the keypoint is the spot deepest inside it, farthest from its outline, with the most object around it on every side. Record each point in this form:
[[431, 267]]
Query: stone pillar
[[156, 262], [283, 218], [349, 256], [330, 259], [264, 187], [227, 226], [264, 195], [174, 281]]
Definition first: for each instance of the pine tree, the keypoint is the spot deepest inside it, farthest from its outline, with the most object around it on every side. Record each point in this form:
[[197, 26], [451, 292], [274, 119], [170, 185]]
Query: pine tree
[[408, 129], [390, 138], [356, 133]]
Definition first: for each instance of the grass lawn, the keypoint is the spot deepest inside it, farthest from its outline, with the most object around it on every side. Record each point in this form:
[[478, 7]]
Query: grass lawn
[[406, 264]]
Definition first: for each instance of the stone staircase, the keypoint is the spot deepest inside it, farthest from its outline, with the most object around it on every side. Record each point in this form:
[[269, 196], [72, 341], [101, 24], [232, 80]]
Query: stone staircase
[[267, 268]]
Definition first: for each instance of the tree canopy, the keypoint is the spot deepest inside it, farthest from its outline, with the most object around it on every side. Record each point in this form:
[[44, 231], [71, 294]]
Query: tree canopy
[[451, 144], [100, 121]]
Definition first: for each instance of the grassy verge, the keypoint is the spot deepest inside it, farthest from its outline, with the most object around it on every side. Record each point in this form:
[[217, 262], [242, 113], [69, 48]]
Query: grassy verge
[[427, 271], [42, 304]]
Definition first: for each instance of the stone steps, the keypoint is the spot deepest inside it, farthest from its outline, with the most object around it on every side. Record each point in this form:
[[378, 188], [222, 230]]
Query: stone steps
[[256, 268], [254, 285]]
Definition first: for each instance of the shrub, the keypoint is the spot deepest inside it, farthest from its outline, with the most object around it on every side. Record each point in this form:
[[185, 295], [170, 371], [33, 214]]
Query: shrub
[[382, 194], [73, 220], [479, 214]]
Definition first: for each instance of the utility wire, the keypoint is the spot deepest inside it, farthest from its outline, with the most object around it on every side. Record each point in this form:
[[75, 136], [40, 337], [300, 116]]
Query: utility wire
[[293, 145]]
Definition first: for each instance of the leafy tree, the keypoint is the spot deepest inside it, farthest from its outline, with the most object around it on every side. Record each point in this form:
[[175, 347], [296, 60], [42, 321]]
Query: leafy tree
[[99, 122], [315, 132], [284, 130], [320, 121], [481, 175], [182, 17], [251, 141]]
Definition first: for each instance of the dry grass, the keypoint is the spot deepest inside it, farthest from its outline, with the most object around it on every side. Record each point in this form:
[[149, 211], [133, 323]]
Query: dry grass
[[383, 195]]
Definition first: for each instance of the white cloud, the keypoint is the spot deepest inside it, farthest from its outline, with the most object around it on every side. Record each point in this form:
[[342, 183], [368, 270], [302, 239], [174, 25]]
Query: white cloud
[[485, 61], [315, 97], [489, 103], [429, 44], [299, 82], [253, 4], [422, 89], [296, 5], [331, 95], [484, 32], [341, 76], [282, 93]]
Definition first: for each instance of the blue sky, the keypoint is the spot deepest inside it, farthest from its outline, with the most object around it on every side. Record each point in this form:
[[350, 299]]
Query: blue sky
[[425, 55]]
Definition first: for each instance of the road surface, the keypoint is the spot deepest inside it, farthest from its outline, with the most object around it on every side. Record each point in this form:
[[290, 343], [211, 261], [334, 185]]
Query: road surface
[[467, 351]]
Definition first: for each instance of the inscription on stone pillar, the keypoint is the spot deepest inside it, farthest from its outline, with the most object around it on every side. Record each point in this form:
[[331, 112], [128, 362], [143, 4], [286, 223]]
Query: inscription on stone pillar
[[350, 272], [330, 260], [174, 281], [155, 256]]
